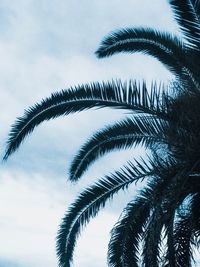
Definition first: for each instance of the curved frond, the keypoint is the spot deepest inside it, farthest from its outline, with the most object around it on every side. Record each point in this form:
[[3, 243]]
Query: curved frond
[[186, 16], [172, 193], [129, 96], [162, 46], [126, 234], [196, 4], [169, 50], [130, 230], [153, 238], [143, 130], [179, 189], [183, 241], [184, 229], [170, 256], [164, 204], [195, 207], [89, 202]]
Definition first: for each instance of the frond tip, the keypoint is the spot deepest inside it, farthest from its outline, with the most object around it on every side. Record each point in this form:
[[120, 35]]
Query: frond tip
[[186, 15], [130, 96], [88, 204], [166, 48], [128, 133]]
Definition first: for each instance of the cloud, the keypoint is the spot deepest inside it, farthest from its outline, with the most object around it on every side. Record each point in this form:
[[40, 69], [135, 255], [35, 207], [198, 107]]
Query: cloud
[[32, 206], [31, 209], [5, 263]]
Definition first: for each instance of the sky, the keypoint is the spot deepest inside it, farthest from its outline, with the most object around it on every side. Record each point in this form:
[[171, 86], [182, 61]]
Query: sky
[[46, 46]]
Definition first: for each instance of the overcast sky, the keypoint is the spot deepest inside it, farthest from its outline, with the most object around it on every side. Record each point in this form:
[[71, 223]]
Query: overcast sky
[[46, 46]]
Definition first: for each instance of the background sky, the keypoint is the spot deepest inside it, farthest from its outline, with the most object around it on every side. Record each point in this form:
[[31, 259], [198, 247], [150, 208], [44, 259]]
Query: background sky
[[46, 46]]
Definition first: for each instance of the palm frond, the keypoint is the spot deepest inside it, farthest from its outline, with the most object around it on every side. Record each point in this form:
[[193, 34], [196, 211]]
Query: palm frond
[[181, 232], [139, 130], [164, 47], [89, 202], [152, 238], [129, 96], [173, 198], [185, 226], [126, 234], [183, 240], [170, 256], [163, 205], [186, 17], [174, 188], [195, 207], [196, 4]]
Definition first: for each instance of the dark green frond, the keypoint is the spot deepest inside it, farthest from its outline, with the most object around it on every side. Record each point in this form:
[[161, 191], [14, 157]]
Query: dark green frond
[[130, 230], [186, 16], [196, 4], [195, 208], [89, 203], [163, 46], [183, 240], [129, 96], [163, 205], [185, 227], [143, 130], [178, 190], [126, 234], [152, 238], [171, 257], [173, 180]]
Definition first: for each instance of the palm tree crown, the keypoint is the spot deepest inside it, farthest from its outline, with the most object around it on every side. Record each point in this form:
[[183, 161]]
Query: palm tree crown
[[167, 122]]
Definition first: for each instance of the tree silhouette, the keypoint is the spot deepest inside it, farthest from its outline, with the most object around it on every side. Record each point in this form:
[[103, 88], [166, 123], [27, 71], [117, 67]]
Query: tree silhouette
[[166, 122]]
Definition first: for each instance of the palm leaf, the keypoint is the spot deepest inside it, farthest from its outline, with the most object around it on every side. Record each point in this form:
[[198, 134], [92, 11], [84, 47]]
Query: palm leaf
[[152, 238], [174, 195], [183, 240], [162, 205], [170, 255], [186, 17], [89, 203], [126, 234], [195, 207], [173, 190], [185, 225], [196, 4], [163, 46], [139, 130], [114, 95]]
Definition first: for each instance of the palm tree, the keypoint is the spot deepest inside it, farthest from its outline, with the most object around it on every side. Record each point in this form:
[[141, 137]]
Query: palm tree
[[166, 122]]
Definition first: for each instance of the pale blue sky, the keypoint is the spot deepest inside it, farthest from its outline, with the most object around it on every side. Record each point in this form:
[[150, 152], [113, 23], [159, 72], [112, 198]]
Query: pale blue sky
[[46, 46]]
